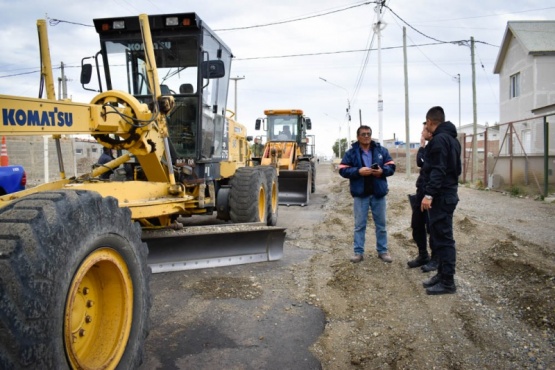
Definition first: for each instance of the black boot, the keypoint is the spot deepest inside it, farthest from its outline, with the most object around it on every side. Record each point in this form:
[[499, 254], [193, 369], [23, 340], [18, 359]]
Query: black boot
[[430, 266], [420, 260], [446, 285], [432, 281]]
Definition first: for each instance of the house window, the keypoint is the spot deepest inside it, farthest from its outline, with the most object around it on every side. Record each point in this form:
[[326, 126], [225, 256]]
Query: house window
[[78, 151], [515, 86]]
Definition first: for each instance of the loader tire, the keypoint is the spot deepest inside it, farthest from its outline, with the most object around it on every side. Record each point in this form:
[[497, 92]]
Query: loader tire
[[272, 194], [307, 166], [74, 283], [313, 177], [247, 198]]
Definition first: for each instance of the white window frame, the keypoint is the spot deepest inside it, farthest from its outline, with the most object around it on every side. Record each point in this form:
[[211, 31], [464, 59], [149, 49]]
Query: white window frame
[[514, 86]]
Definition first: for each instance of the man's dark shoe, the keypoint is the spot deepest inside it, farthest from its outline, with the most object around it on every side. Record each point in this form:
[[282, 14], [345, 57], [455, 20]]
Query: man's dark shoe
[[441, 288], [434, 280], [357, 258], [418, 261], [430, 266]]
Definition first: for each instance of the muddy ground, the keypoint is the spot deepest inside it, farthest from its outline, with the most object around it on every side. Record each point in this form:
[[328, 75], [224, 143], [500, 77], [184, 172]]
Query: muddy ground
[[315, 309]]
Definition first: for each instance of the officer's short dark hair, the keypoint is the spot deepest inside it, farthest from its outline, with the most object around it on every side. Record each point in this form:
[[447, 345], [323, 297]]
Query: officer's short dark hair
[[436, 114]]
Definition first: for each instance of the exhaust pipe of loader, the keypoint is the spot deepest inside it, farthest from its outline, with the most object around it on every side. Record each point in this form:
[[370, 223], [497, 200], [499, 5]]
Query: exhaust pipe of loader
[[197, 247]]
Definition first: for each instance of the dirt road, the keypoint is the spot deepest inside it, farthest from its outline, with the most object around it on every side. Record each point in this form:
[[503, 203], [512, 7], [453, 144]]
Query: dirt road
[[314, 309]]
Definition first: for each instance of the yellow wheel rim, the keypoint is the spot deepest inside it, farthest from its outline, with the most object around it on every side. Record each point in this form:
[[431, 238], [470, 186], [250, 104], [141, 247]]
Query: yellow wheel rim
[[99, 311], [262, 204], [274, 197]]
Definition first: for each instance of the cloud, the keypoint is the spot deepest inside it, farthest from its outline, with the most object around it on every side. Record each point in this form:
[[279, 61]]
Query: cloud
[[335, 43]]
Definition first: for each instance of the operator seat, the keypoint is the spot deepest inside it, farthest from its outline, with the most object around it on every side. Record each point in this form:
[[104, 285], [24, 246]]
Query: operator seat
[[181, 124], [186, 89]]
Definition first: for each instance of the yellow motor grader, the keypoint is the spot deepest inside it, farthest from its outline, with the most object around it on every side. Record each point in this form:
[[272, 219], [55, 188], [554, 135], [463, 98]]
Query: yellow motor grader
[[291, 150], [76, 254]]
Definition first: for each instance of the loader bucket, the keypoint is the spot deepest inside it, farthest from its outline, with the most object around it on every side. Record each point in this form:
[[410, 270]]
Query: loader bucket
[[199, 247], [294, 187]]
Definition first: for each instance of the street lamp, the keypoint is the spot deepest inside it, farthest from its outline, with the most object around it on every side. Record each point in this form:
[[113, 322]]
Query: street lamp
[[235, 79], [348, 110]]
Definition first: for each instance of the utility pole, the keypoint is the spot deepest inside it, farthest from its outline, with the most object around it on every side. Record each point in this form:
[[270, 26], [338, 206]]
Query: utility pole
[[235, 79], [474, 114], [459, 80], [407, 126], [62, 83], [378, 27]]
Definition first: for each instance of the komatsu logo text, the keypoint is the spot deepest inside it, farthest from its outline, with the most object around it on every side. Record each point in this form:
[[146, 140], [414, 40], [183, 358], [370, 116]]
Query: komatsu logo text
[[20, 117]]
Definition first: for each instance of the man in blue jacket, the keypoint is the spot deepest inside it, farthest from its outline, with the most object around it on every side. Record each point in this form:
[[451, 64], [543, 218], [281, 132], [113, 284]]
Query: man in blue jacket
[[442, 168], [367, 165]]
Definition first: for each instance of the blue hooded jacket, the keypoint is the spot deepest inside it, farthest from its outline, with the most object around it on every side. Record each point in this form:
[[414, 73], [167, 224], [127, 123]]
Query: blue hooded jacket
[[352, 162]]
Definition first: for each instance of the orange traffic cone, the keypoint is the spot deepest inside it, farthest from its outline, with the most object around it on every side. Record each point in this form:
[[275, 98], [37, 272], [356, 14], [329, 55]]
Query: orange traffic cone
[[4, 161]]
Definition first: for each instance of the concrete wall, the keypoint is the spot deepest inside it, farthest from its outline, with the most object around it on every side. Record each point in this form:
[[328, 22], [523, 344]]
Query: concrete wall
[[528, 173], [30, 152]]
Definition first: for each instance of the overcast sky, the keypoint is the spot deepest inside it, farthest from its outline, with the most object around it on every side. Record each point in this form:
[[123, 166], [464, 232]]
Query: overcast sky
[[301, 42]]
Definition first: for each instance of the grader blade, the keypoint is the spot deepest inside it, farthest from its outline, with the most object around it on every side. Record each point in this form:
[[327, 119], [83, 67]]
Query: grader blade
[[294, 187], [199, 247]]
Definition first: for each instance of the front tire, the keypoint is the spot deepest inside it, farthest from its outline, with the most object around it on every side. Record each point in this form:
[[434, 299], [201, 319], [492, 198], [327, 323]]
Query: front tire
[[272, 188], [313, 177], [75, 283], [306, 166], [247, 198]]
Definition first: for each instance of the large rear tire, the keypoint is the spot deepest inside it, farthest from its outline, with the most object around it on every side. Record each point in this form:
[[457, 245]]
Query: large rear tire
[[313, 177], [247, 198], [74, 283], [272, 194], [306, 166]]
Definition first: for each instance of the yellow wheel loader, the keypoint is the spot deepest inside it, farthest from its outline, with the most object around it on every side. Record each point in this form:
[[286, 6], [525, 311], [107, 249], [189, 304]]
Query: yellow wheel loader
[[76, 254], [291, 150]]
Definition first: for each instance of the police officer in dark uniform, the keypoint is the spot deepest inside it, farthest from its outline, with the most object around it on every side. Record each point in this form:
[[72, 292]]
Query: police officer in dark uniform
[[442, 168], [419, 219]]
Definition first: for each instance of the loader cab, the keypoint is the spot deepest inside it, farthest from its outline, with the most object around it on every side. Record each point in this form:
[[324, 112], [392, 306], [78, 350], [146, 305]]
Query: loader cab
[[285, 125], [193, 66]]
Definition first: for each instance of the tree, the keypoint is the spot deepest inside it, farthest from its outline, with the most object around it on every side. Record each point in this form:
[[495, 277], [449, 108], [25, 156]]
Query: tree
[[340, 147]]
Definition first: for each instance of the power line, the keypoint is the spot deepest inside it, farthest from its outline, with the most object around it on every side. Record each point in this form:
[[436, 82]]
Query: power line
[[270, 57], [298, 19], [457, 42], [20, 74], [338, 52], [424, 54]]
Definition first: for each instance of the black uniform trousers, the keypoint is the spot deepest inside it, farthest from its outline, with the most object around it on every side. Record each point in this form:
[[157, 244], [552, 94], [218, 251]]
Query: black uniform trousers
[[441, 231], [419, 225]]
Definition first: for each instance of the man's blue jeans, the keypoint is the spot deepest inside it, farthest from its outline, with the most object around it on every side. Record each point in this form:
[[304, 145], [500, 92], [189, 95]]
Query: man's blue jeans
[[378, 207]]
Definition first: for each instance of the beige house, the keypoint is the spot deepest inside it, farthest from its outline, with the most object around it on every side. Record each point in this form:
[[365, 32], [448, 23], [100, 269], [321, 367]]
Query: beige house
[[526, 68]]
